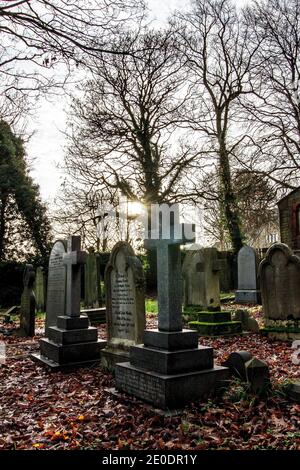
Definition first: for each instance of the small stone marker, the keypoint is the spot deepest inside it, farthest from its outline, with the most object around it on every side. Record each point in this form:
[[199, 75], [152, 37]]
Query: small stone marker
[[248, 291], [125, 304], [71, 342], [249, 369], [27, 312], [248, 323], [293, 392], [56, 290], [170, 370], [40, 289]]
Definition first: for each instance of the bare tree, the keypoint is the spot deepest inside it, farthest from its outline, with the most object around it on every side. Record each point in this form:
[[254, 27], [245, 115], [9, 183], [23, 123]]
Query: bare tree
[[274, 109], [36, 35], [123, 128], [256, 198], [220, 60]]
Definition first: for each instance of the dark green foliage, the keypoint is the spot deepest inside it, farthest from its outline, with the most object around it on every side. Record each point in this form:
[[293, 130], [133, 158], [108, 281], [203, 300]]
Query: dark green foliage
[[11, 282], [24, 226]]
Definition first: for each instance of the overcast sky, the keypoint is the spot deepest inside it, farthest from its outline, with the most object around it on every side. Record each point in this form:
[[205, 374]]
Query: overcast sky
[[47, 144]]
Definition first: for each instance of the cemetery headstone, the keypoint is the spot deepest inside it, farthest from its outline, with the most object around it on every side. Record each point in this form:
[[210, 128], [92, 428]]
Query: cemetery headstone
[[27, 312], [56, 288], [280, 279], [249, 369], [40, 289], [72, 341], [248, 323], [125, 304], [201, 279], [202, 294], [169, 369], [92, 298], [248, 291]]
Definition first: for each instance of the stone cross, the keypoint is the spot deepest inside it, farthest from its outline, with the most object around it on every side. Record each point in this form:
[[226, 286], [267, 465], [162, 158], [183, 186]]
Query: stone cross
[[73, 260], [169, 268]]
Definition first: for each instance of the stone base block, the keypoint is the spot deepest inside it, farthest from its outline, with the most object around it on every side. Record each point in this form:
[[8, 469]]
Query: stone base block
[[248, 297], [72, 323], [55, 367], [110, 357], [185, 339], [217, 329], [214, 317], [71, 353], [97, 316], [171, 362], [169, 391], [61, 336], [282, 334]]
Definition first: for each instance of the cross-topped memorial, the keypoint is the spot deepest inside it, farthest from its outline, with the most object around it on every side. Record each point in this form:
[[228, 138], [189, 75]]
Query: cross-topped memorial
[[169, 369], [71, 341], [166, 237], [73, 259]]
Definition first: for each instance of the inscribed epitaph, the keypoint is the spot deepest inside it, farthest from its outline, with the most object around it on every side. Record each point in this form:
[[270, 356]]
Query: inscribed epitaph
[[56, 290], [125, 302]]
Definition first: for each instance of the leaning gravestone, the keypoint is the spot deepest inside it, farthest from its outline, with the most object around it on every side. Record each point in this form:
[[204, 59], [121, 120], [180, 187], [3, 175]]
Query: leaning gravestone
[[40, 289], [56, 289], [71, 341], [200, 273], [125, 304], [170, 369], [27, 312], [280, 280], [248, 291], [92, 297]]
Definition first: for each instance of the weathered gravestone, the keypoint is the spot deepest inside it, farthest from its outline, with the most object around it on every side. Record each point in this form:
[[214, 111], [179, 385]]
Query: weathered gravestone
[[249, 369], [40, 289], [56, 288], [248, 323], [248, 292], [27, 312], [125, 304], [71, 342], [202, 294], [92, 281], [280, 280], [169, 370], [200, 273]]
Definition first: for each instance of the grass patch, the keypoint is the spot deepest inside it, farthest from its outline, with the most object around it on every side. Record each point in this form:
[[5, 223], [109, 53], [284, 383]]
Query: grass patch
[[151, 306]]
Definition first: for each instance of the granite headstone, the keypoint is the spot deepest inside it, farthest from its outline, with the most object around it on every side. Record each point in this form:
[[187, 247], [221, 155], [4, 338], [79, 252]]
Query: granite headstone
[[125, 304], [248, 291], [56, 288]]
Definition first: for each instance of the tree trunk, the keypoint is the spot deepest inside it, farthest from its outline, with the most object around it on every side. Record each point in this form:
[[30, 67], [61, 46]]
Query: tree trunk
[[3, 201], [229, 202]]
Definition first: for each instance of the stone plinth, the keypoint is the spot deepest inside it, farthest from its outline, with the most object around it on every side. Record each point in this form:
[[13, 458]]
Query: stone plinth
[[167, 377], [169, 370], [71, 341]]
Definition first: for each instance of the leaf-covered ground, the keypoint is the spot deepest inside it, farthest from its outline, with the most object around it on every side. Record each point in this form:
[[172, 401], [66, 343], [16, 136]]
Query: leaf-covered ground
[[79, 410]]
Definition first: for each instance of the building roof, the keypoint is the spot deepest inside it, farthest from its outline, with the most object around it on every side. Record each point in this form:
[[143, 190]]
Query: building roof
[[288, 195]]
